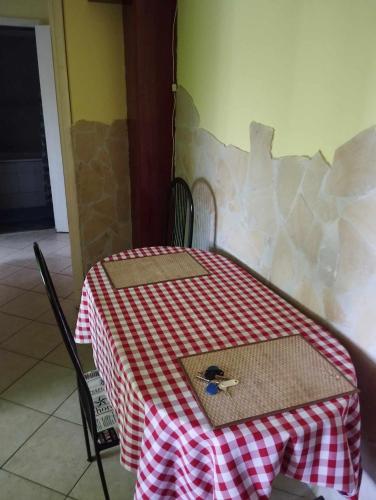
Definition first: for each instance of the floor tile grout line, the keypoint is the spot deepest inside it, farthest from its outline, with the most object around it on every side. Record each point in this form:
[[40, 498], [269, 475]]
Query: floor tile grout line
[[48, 415], [7, 302], [2, 398], [17, 331], [26, 408], [24, 317], [34, 482], [18, 378], [13, 272], [26, 440], [26, 289], [12, 249], [54, 363], [29, 245], [61, 404], [65, 419], [4, 348], [78, 480], [32, 320], [28, 370], [34, 289], [30, 267], [17, 315]]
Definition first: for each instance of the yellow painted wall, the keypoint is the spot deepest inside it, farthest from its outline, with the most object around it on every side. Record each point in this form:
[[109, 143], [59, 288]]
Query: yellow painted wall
[[30, 9], [305, 67], [95, 54], [95, 57]]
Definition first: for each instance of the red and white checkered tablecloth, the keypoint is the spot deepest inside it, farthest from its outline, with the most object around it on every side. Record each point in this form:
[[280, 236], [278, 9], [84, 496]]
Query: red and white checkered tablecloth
[[137, 336]]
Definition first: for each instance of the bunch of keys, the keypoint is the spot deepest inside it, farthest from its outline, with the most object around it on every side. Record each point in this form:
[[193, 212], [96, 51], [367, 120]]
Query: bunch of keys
[[214, 376]]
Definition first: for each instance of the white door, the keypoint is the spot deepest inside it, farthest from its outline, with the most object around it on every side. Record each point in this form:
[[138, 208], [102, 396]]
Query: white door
[[51, 126]]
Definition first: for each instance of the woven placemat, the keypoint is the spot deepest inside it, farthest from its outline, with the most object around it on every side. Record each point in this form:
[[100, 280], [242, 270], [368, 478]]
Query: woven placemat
[[274, 376], [154, 269]]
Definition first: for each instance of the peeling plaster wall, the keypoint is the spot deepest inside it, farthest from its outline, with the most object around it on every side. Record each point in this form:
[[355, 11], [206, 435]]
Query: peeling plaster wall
[[103, 188], [306, 226]]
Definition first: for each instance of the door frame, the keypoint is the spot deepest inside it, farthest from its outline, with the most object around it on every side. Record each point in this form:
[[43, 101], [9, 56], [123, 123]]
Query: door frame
[[50, 118], [56, 23], [51, 126]]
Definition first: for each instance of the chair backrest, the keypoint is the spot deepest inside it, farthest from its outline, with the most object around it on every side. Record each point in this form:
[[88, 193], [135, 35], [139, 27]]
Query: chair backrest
[[205, 218], [180, 226], [68, 339]]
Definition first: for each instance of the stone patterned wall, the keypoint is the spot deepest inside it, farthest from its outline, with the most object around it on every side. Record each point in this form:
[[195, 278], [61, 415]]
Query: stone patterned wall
[[307, 226], [103, 188]]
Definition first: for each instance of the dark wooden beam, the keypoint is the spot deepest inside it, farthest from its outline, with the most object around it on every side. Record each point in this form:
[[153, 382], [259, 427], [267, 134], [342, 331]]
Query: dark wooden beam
[[148, 33]]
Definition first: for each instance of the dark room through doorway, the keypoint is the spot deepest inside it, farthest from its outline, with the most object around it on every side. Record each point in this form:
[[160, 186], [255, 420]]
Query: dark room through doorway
[[25, 190]]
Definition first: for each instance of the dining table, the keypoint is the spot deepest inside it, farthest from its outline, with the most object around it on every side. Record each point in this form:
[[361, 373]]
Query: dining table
[[138, 333]]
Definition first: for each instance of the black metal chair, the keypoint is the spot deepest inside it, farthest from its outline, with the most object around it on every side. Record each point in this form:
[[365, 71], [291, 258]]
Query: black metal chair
[[97, 414], [181, 212]]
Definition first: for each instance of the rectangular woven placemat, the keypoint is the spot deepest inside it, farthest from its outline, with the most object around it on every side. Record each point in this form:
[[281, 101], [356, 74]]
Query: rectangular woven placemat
[[154, 269], [274, 376]]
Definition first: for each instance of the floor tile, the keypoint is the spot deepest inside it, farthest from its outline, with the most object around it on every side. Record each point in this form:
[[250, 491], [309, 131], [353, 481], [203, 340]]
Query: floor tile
[[7, 270], [13, 366], [43, 388], [54, 456], [10, 325], [62, 238], [57, 263], [10, 257], [68, 271], [61, 251], [25, 279], [13, 487], [28, 305], [292, 486], [50, 233], [60, 356], [63, 285], [283, 495], [70, 409], [17, 424], [15, 241], [120, 482], [70, 311], [35, 340], [51, 246], [22, 258], [7, 293], [21, 240]]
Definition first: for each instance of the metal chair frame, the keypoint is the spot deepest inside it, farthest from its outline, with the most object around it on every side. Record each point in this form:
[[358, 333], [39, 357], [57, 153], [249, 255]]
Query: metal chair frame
[[181, 213], [102, 440]]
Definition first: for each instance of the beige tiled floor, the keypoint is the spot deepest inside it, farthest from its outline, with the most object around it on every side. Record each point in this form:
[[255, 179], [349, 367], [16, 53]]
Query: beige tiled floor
[[42, 452]]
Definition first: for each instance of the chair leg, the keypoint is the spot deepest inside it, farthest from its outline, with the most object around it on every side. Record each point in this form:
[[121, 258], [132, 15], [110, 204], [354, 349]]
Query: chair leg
[[86, 434], [101, 473]]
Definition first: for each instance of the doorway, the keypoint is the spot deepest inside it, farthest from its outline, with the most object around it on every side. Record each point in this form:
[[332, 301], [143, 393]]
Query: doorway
[[25, 189]]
